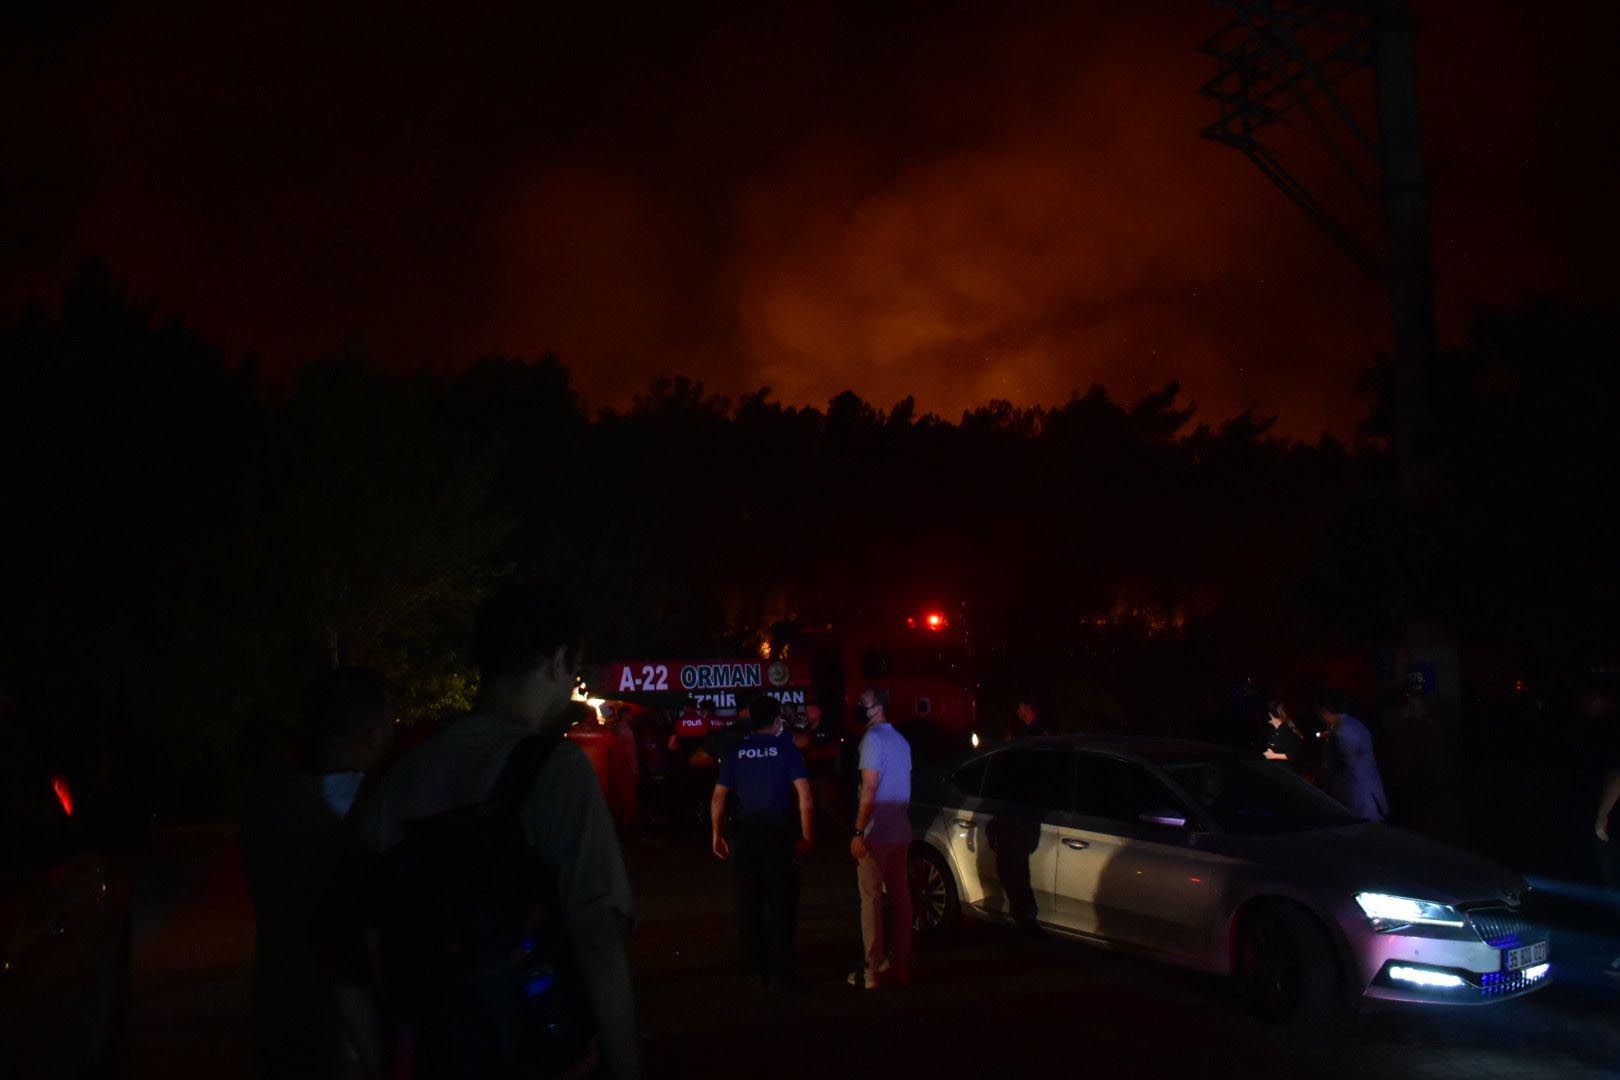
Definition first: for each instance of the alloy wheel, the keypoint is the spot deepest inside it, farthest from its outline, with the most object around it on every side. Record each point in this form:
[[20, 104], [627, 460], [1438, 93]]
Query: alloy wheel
[[929, 894], [1271, 965]]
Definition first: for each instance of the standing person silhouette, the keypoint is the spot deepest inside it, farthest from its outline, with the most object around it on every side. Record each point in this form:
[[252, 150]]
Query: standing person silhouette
[[774, 821], [1284, 741], [881, 845], [1349, 769], [1600, 707], [314, 1010]]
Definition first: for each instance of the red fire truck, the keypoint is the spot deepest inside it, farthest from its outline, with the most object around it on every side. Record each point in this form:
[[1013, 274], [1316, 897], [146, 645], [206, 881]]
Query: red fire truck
[[921, 660]]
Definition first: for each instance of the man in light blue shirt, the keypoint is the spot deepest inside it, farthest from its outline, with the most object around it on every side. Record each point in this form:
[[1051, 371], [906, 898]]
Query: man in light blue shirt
[[881, 844], [1349, 769]]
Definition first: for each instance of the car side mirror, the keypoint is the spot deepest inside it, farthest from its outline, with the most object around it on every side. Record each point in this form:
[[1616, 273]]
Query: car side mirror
[[1170, 819]]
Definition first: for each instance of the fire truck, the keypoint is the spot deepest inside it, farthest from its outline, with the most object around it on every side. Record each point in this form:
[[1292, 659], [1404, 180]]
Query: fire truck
[[922, 660]]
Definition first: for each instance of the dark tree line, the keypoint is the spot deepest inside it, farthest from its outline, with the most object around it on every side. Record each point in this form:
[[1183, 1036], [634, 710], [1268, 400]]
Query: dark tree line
[[187, 544]]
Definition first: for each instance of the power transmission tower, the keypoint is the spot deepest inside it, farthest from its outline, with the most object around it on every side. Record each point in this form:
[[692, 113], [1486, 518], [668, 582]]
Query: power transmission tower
[[1288, 69]]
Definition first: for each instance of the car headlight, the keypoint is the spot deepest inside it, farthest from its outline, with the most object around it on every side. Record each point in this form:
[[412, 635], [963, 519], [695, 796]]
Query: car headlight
[[1393, 912]]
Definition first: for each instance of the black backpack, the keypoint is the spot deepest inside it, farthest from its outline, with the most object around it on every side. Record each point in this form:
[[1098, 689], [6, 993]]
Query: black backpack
[[477, 961]]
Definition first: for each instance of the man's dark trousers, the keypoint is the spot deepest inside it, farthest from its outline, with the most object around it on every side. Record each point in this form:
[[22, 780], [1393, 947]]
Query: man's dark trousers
[[767, 897]]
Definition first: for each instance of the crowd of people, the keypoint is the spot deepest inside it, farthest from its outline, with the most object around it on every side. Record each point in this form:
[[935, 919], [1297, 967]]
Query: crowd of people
[[459, 906]]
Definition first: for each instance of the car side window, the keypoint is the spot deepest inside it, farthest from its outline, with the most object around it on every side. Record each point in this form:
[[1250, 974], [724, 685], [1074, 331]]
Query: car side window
[[1036, 777], [970, 777], [1107, 787]]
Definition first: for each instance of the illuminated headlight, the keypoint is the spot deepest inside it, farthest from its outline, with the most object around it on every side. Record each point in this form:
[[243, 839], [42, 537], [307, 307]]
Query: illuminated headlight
[[1393, 912], [1424, 977]]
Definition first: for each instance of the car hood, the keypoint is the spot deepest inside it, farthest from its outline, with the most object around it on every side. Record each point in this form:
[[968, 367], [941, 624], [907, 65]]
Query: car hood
[[1379, 858]]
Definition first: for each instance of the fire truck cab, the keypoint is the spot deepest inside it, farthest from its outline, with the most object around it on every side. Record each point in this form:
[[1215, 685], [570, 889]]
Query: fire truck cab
[[921, 661]]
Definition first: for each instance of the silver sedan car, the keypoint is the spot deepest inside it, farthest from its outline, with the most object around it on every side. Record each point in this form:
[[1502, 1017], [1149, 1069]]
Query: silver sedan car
[[1221, 861]]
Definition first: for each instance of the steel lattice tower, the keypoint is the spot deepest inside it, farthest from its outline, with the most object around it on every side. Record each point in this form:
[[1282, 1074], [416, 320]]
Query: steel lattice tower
[[1291, 68]]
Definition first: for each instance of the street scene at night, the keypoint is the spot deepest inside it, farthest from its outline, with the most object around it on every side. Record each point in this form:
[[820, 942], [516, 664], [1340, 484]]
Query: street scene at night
[[870, 540]]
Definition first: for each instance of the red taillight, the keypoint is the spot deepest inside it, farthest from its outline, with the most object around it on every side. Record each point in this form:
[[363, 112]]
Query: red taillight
[[64, 794], [935, 621]]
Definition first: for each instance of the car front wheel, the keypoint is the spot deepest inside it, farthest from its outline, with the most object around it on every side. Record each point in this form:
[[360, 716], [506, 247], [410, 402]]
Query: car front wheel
[[1285, 964], [934, 906]]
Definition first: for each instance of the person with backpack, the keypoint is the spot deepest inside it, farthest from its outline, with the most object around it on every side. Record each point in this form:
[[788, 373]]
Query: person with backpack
[[503, 904], [774, 821]]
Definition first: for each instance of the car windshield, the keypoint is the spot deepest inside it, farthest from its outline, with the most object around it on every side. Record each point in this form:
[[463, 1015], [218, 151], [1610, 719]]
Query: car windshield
[[1257, 796]]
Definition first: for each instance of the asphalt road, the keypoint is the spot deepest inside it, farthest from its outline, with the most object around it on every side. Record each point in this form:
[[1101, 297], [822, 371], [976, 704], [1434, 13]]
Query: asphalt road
[[987, 1002]]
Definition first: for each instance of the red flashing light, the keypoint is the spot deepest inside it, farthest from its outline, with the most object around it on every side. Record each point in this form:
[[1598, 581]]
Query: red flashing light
[[935, 620], [64, 794]]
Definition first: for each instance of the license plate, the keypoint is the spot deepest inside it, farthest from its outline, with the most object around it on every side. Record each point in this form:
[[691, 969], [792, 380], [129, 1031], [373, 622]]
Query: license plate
[[1524, 956]]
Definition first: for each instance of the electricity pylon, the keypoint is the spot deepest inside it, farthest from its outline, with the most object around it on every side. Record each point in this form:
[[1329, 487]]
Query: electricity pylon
[[1290, 69]]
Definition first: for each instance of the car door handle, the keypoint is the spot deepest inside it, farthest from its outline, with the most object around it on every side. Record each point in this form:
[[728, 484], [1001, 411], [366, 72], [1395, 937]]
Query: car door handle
[[1078, 845], [964, 823]]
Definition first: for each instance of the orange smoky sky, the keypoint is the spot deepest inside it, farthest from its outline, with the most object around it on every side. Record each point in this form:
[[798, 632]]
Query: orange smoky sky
[[954, 202]]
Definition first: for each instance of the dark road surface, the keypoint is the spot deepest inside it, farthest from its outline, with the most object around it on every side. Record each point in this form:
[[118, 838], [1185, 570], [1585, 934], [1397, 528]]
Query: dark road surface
[[987, 1002]]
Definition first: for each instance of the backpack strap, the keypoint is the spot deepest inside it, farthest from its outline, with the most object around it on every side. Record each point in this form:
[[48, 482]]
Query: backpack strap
[[520, 772]]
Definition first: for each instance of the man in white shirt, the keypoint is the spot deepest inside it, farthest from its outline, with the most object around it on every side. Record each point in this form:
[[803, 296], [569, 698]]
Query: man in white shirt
[[881, 844]]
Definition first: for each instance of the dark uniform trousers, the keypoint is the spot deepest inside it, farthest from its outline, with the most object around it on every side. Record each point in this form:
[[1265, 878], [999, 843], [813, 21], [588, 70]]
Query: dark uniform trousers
[[767, 881]]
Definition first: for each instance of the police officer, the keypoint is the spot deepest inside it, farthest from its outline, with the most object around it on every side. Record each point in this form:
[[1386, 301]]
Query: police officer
[[691, 786], [691, 728], [774, 820], [818, 742]]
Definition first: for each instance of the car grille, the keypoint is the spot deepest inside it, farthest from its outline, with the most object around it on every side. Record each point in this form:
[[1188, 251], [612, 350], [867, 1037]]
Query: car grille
[[1493, 983], [1503, 928]]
